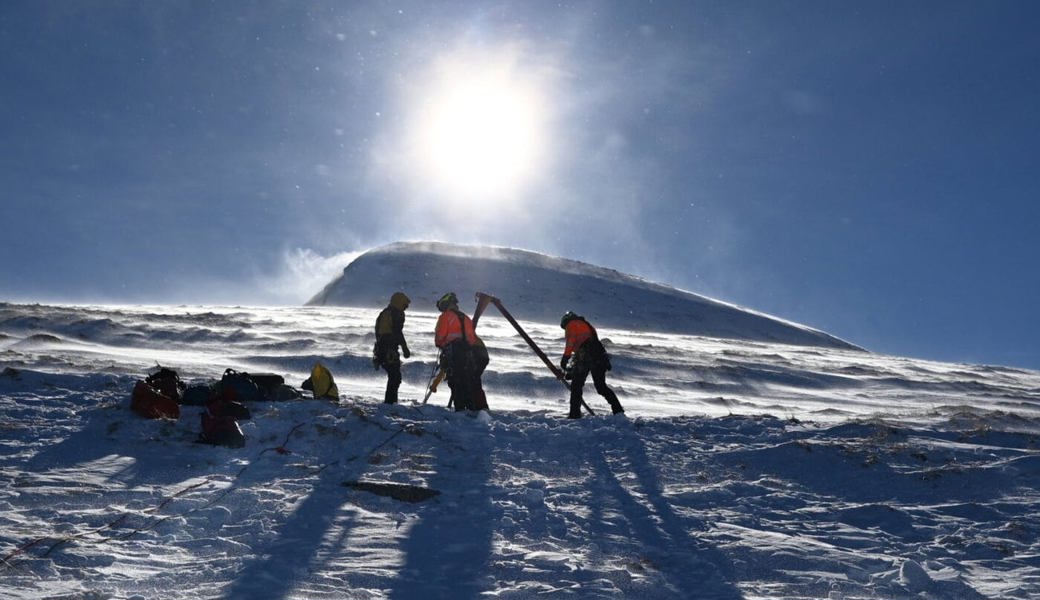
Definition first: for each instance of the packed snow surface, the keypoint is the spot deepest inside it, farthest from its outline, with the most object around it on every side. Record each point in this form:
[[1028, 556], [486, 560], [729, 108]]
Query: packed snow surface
[[743, 469], [541, 288]]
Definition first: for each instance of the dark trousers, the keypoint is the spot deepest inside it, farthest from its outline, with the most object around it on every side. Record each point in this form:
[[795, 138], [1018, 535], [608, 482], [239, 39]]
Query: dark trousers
[[465, 367], [599, 377], [459, 376], [393, 381]]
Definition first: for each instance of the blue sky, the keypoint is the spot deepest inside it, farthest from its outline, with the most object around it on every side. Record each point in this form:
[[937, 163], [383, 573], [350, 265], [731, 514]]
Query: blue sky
[[867, 168]]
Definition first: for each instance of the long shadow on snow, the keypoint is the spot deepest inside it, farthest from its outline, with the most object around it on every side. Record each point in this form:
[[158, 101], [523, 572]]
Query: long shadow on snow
[[692, 569], [154, 450], [448, 551], [276, 569]]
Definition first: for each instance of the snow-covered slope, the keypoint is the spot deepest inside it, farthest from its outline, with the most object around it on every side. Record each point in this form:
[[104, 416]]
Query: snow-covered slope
[[742, 470], [536, 287]]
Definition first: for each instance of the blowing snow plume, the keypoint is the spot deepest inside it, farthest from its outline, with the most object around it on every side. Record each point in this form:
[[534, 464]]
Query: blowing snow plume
[[540, 288]]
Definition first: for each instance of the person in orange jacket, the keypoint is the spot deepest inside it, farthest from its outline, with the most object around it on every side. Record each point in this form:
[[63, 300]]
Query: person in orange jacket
[[390, 338], [463, 355], [585, 354]]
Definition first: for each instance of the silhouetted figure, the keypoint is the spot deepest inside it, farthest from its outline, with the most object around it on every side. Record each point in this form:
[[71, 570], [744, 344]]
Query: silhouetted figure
[[585, 354], [389, 339], [463, 355]]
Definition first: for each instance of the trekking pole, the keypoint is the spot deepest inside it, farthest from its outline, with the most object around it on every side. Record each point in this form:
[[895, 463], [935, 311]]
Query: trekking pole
[[433, 384], [485, 298], [430, 386]]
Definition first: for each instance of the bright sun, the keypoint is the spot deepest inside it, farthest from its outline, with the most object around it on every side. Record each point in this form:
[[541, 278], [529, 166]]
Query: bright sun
[[480, 128]]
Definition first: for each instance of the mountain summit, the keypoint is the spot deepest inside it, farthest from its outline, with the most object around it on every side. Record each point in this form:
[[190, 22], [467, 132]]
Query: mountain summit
[[537, 287]]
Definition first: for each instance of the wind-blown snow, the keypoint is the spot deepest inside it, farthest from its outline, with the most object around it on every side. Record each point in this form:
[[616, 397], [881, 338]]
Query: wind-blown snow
[[540, 288], [742, 469]]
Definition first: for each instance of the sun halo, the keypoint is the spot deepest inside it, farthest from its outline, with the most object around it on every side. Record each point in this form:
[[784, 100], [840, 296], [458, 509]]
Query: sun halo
[[480, 130]]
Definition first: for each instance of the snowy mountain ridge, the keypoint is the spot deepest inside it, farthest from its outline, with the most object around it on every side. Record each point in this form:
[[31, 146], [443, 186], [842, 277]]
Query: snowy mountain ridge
[[538, 287]]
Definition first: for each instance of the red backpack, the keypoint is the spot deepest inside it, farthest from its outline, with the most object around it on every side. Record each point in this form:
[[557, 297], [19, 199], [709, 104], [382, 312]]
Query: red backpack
[[158, 396]]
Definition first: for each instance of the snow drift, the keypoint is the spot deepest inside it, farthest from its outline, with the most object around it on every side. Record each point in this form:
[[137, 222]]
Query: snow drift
[[874, 477], [540, 288]]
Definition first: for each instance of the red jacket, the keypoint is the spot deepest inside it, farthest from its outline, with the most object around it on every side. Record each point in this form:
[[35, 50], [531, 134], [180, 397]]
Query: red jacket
[[450, 328], [578, 332]]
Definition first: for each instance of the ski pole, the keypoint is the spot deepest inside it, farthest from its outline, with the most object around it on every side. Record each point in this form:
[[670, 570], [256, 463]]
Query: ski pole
[[436, 381], [430, 386]]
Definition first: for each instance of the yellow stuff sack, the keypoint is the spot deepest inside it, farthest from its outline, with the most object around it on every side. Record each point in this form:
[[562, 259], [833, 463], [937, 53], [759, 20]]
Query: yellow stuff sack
[[322, 382]]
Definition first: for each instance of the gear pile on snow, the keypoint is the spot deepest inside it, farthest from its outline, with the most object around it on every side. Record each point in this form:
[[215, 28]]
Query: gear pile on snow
[[162, 394]]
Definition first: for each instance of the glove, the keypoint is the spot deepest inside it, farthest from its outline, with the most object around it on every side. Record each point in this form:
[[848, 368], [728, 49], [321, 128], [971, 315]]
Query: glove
[[563, 363], [375, 363], [405, 352]]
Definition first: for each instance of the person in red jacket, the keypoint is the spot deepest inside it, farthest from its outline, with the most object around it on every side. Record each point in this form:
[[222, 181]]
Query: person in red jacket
[[585, 354], [463, 355]]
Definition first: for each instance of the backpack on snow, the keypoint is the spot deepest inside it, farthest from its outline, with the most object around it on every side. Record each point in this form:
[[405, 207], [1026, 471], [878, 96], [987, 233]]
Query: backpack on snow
[[158, 395], [239, 387], [150, 403], [321, 383], [228, 396], [269, 384], [197, 395], [221, 431], [167, 382]]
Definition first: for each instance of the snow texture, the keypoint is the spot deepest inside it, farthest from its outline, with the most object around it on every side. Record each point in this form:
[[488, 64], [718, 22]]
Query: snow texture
[[742, 470]]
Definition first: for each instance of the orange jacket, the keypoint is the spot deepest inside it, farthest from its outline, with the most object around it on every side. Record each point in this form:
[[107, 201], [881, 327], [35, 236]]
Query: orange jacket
[[449, 329], [578, 332]]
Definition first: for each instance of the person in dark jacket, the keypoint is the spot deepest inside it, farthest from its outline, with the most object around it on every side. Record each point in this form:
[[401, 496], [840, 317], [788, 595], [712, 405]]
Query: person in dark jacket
[[585, 354], [390, 344]]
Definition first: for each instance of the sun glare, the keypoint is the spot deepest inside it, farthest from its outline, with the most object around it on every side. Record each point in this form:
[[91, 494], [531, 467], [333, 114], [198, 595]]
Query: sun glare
[[479, 133]]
